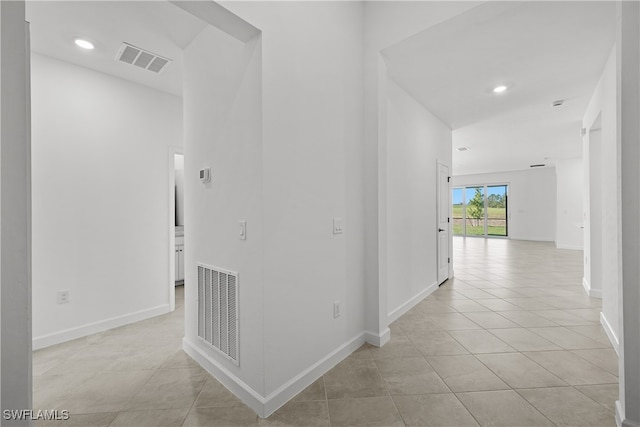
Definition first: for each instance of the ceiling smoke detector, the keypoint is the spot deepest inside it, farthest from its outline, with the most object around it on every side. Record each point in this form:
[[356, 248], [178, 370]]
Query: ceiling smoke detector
[[462, 148], [142, 58], [557, 103]]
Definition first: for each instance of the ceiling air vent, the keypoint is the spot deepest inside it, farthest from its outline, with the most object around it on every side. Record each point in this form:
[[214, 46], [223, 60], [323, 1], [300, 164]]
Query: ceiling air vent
[[141, 58], [537, 166], [462, 148]]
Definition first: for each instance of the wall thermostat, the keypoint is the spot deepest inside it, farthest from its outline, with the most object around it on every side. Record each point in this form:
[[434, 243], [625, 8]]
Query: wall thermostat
[[205, 174]]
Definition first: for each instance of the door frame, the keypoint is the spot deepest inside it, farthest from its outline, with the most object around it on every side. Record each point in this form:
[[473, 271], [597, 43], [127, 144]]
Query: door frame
[[172, 220], [449, 228]]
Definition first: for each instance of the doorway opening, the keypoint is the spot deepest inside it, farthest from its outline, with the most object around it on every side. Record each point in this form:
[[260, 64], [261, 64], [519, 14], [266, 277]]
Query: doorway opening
[[176, 222]]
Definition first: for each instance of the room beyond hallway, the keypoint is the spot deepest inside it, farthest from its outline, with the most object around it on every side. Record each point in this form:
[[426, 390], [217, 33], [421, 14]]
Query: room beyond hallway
[[512, 340]]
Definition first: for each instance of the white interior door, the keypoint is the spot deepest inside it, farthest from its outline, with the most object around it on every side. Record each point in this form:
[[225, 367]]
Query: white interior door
[[443, 205]]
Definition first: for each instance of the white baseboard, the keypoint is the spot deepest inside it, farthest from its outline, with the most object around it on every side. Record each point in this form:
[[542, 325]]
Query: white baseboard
[[532, 239], [569, 247], [301, 381], [95, 327], [586, 285], [243, 391], [609, 331], [618, 414], [620, 422], [265, 406], [595, 293], [378, 340], [412, 302]]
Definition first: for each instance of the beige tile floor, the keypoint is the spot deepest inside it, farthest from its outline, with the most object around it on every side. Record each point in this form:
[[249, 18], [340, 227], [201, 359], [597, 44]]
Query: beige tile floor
[[511, 341]]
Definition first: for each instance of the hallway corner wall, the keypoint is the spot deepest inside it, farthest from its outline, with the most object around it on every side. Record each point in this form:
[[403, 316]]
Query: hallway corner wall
[[100, 201], [223, 132], [416, 139], [569, 220]]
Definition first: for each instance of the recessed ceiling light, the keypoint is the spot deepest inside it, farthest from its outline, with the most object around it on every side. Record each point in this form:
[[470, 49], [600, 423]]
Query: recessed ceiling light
[[84, 44], [499, 89]]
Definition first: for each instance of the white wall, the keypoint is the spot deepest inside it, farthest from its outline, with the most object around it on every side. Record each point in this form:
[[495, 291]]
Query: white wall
[[292, 142], [531, 200], [313, 173], [222, 131], [386, 23], [628, 136], [604, 228], [415, 140], [100, 199], [594, 215], [15, 213], [569, 220]]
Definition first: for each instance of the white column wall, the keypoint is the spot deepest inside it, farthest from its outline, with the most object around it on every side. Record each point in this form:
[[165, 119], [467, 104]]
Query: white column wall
[[595, 217], [628, 124], [222, 113], [416, 140], [569, 220], [15, 213], [386, 23], [308, 90], [602, 224]]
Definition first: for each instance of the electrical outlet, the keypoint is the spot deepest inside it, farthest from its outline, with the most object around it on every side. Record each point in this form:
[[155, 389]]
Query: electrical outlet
[[337, 309], [63, 296]]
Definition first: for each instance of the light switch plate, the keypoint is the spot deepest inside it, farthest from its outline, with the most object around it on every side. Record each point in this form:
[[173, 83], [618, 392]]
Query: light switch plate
[[338, 225], [243, 230]]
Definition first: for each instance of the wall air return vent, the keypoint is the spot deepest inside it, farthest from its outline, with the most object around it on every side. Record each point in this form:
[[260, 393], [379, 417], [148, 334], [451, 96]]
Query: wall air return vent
[[218, 310], [141, 58]]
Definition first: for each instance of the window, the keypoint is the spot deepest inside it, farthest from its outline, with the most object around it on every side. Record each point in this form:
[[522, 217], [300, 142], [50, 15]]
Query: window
[[480, 210]]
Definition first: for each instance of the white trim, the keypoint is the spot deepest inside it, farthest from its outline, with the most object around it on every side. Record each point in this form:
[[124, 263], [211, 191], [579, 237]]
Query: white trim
[[243, 391], [378, 340], [100, 326], [172, 228], [412, 302], [530, 239], [610, 333], [619, 421], [569, 247], [618, 413], [291, 388], [265, 406], [594, 293]]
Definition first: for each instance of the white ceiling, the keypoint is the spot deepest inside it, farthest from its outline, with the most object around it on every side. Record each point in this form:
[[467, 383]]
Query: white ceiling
[[544, 51], [159, 27]]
